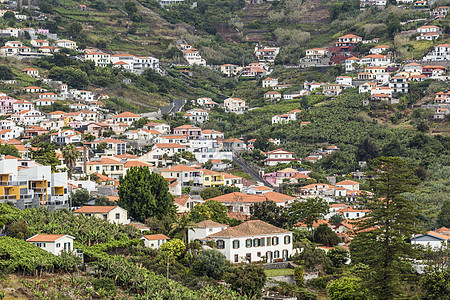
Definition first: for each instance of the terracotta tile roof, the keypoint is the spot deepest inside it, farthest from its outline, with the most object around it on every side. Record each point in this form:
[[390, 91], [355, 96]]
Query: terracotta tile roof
[[179, 168], [95, 209], [155, 237], [105, 161], [281, 150], [246, 198], [127, 115], [181, 200], [45, 237], [169, 145], [300, 176], [262, 188], [135, 163], [233, 140], [347, 182], [250, 228], [277, 197], [209, 223]]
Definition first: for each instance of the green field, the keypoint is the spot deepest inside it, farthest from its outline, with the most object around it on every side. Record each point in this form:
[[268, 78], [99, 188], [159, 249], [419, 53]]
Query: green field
[[279, 272]]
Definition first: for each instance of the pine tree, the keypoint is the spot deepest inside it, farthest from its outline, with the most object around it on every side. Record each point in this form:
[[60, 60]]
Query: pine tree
[[382, 242]]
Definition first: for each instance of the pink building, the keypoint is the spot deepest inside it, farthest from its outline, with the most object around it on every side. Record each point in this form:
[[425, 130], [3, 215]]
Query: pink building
[[273, 177], [6, 103]]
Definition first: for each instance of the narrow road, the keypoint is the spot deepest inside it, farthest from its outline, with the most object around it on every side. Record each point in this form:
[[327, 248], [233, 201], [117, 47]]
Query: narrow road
[[253, 174]]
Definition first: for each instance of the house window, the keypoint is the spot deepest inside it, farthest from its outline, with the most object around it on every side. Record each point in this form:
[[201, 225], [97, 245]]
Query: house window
[[58, 245], [117, 216], [262, 241], [256, 243], [248, 243], [248, 257], [236, 258], [220, 244], [236, 244], [207, 178], [276, 254], [258, 254], [269, 241], [275, 240], [287, 239]]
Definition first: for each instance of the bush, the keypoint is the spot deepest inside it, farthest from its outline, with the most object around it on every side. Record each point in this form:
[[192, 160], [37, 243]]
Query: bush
[[346, 288], [104, 283], [211, 263]]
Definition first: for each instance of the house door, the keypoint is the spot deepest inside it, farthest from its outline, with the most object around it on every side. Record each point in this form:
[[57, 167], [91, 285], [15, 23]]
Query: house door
[[248, 258], [269, 256], [285, 254]]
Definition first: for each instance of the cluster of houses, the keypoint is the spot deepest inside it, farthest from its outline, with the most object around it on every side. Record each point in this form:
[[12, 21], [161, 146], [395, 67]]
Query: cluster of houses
[[127, 62]]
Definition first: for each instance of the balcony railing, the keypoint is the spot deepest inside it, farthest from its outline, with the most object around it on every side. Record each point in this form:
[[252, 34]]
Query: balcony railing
[[13, 183], [39, 190], [7, 197]]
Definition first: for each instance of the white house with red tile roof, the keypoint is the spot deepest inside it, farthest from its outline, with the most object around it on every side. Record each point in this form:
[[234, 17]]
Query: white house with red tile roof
[[49, 95], [66, 44], [21, 105], [28, 117], [39, 43], [352, 213], [31, 72], [440, 52], [316, 54], [280, 156], [33, 89], [170, 148], [272, 95], [348, 40], [197, 115], [66, 137], [351, 64], [113, 146], [126, 117], [161, 127], [379, 49], [269, 82], [348, 184], [99, 58], [266, 54], [211, 134], [442, 97], [235, 105], [113, 214], [254, 241], [184, 175], [154, 241], [53, 243]]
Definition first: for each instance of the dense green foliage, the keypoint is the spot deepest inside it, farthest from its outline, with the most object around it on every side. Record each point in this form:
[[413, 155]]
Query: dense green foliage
[[86, 230], [18, 255], [144, 194], [210, 263]]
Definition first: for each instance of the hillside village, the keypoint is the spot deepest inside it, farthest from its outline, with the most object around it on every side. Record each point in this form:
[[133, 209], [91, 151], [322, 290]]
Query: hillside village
[[153, 165]]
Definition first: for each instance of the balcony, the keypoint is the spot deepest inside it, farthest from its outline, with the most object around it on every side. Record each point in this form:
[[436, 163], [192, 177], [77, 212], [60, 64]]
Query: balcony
[[7, 197], [39, 190], [13, 183]]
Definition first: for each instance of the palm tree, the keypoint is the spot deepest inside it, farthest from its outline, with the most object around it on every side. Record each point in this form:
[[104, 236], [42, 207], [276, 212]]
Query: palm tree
[[182, 224], [165, 157], [70, 154]]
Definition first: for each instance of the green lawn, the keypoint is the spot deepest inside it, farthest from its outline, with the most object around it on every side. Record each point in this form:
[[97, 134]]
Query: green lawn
[[279, 272]]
